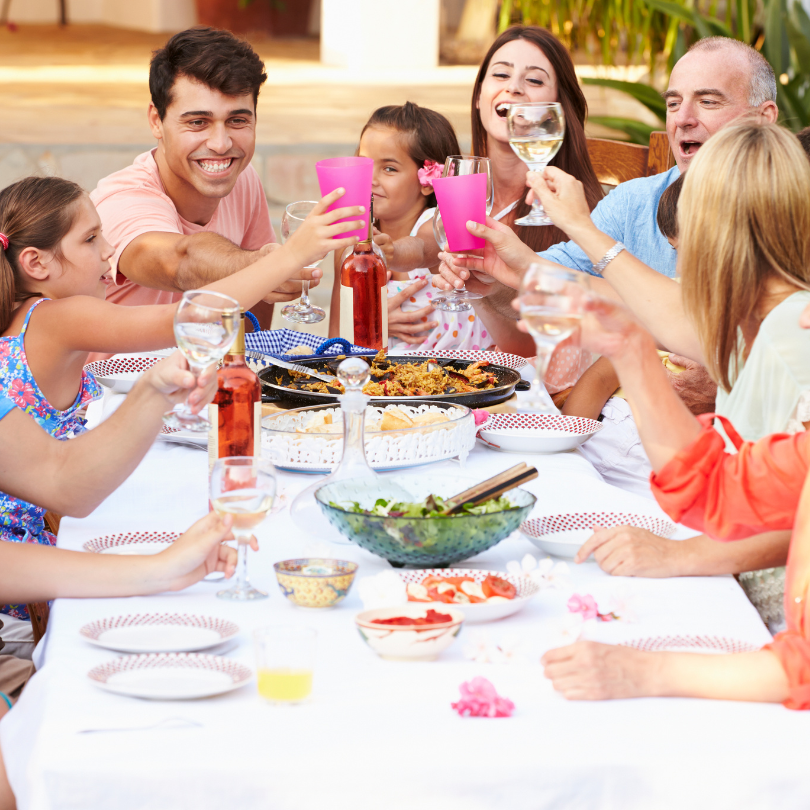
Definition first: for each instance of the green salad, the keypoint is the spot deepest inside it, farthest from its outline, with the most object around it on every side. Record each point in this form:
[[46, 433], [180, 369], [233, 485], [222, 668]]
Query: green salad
[[430, 507]]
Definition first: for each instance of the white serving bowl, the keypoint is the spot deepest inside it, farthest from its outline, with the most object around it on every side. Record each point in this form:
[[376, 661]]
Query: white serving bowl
[[385, 450], [408, 642], [536, 433], [562, 535], [481, 611]]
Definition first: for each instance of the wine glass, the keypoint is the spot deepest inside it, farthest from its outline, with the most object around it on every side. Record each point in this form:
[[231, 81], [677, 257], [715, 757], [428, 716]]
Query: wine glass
[[205, 327], [454, 165], [302, 310], [243, 487], [551, 301], [536, 134]]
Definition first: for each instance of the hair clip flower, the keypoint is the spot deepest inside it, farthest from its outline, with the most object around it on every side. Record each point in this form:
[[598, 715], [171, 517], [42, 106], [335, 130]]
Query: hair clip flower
[[430, 171]]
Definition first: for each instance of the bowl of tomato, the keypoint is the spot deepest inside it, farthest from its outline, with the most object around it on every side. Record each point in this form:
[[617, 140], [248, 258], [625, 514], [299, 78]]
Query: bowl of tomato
[[410, 632], [482, 596]]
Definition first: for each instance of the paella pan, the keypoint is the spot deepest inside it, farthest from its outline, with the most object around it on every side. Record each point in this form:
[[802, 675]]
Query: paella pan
[[399, 378]]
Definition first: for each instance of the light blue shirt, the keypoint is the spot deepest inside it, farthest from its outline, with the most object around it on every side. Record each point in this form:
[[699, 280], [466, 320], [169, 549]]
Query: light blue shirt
[[628, 214]]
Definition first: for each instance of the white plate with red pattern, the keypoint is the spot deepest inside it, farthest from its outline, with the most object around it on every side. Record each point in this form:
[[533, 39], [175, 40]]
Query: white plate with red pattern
[[717, 645], [562, 535], [170, 676], [536, 432], [496, 358], [120, 372], [476, 613], [140, 543], [159, 632]]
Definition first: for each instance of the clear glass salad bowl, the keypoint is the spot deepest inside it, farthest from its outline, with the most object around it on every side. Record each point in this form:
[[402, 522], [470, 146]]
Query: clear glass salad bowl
[[425, 542]]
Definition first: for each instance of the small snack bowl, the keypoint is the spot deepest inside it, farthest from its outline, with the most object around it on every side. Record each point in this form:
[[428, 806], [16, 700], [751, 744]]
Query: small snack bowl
[[313, 582], [409, 642]]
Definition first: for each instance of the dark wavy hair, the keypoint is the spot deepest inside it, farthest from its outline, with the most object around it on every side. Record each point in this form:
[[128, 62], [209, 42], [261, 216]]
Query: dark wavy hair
[[430, 135], [215, 58], [573, 155]]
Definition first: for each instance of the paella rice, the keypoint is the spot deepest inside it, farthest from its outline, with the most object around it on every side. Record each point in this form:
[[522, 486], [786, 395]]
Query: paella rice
[[393, 379]]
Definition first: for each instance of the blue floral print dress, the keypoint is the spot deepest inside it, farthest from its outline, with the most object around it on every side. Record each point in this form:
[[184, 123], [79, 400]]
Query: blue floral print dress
[[22, 522]]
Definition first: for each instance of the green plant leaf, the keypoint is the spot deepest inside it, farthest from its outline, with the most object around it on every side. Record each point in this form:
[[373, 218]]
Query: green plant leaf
[[792, 112], [775, 47], [636, 131], [802, 22], [798, 42], [643, 93]]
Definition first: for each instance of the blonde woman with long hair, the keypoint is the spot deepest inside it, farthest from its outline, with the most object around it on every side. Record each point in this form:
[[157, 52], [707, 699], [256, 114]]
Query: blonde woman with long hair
[[744, 262]]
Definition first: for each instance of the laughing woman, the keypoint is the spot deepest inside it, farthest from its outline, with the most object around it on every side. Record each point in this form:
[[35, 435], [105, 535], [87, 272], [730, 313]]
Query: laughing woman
[[527, 64]]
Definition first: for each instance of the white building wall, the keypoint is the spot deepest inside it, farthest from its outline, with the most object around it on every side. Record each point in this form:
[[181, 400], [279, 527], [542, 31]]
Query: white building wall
[[380, 34]]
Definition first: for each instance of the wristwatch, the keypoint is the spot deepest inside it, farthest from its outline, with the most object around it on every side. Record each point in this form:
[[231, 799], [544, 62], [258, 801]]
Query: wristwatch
[[608, 258]]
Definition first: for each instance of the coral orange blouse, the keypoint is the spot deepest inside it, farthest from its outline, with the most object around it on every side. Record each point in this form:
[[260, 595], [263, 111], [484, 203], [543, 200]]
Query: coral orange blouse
[[765, 486]]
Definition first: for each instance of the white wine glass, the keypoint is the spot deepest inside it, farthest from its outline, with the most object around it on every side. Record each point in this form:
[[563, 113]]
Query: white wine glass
[[244, 488], [551, 304], [302, 311], [454, 165], [536, 133], [205, 327]]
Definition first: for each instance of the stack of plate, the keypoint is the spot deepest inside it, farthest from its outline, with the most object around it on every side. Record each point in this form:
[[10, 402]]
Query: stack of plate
[[164, 668]]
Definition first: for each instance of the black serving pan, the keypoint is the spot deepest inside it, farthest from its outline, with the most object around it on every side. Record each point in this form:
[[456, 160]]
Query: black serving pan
[[508, 380]]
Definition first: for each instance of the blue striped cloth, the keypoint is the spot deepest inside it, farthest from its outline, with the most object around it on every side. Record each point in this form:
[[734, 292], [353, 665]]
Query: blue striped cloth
[[278, 342]]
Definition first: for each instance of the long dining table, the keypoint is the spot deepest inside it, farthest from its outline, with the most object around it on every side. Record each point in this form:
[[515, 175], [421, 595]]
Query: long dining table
[[382, 734]]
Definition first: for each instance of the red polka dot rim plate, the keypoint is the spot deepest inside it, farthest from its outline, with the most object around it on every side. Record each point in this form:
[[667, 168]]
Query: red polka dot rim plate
[[512, 361], [536, 432], [562, 535], [159, 632], [717, 645], [483, 611], [120, 372], [171, 676], [141, 543]]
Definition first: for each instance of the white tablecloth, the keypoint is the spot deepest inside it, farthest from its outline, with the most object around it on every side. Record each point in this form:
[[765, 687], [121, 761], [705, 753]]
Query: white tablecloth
[[380, 734]]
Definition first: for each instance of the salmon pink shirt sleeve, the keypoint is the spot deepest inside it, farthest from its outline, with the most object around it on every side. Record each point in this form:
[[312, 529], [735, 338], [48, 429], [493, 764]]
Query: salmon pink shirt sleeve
[[732, 496], [764, 486]]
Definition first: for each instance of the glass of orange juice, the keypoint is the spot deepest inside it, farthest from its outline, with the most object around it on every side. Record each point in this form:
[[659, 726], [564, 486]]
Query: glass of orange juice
[[284, 661]]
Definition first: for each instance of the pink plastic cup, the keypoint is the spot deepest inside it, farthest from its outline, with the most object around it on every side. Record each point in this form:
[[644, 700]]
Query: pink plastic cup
[[354, 174], [461, 199]]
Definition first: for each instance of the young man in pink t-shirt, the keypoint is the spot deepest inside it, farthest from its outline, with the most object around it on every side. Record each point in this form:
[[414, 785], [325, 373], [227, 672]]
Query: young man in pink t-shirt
[[192, 210]]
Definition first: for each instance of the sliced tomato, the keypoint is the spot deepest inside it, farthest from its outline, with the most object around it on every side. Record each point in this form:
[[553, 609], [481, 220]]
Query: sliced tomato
[[495, 586], [432, 582], [448, 596]]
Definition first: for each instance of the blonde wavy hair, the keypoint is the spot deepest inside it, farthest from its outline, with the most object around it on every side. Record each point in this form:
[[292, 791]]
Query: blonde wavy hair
[[743, 218]]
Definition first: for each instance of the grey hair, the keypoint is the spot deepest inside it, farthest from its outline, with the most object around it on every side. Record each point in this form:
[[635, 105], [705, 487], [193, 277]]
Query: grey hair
[[763, 80]]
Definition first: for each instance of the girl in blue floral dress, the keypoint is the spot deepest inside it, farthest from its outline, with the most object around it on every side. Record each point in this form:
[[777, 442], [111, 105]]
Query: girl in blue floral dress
[[54, 269]]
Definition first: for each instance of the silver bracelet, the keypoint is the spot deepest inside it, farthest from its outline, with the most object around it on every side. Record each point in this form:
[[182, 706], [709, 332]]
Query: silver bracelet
[[608, 258]]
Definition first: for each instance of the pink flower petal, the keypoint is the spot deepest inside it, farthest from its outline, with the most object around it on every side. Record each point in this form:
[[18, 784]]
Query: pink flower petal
[[480, 699]]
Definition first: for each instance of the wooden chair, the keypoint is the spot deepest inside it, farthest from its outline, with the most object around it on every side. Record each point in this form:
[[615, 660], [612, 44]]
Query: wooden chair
[[617, 161], [39, 611]]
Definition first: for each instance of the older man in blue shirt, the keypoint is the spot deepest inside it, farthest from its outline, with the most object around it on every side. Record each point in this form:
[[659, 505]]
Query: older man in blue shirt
[[718, 80]]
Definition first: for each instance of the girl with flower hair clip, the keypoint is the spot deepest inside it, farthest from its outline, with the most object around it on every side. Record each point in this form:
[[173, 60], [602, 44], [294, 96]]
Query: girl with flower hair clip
[[409, 145]]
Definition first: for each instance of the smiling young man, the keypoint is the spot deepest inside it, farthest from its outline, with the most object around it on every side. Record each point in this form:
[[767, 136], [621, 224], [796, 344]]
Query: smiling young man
[[192, 210]]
